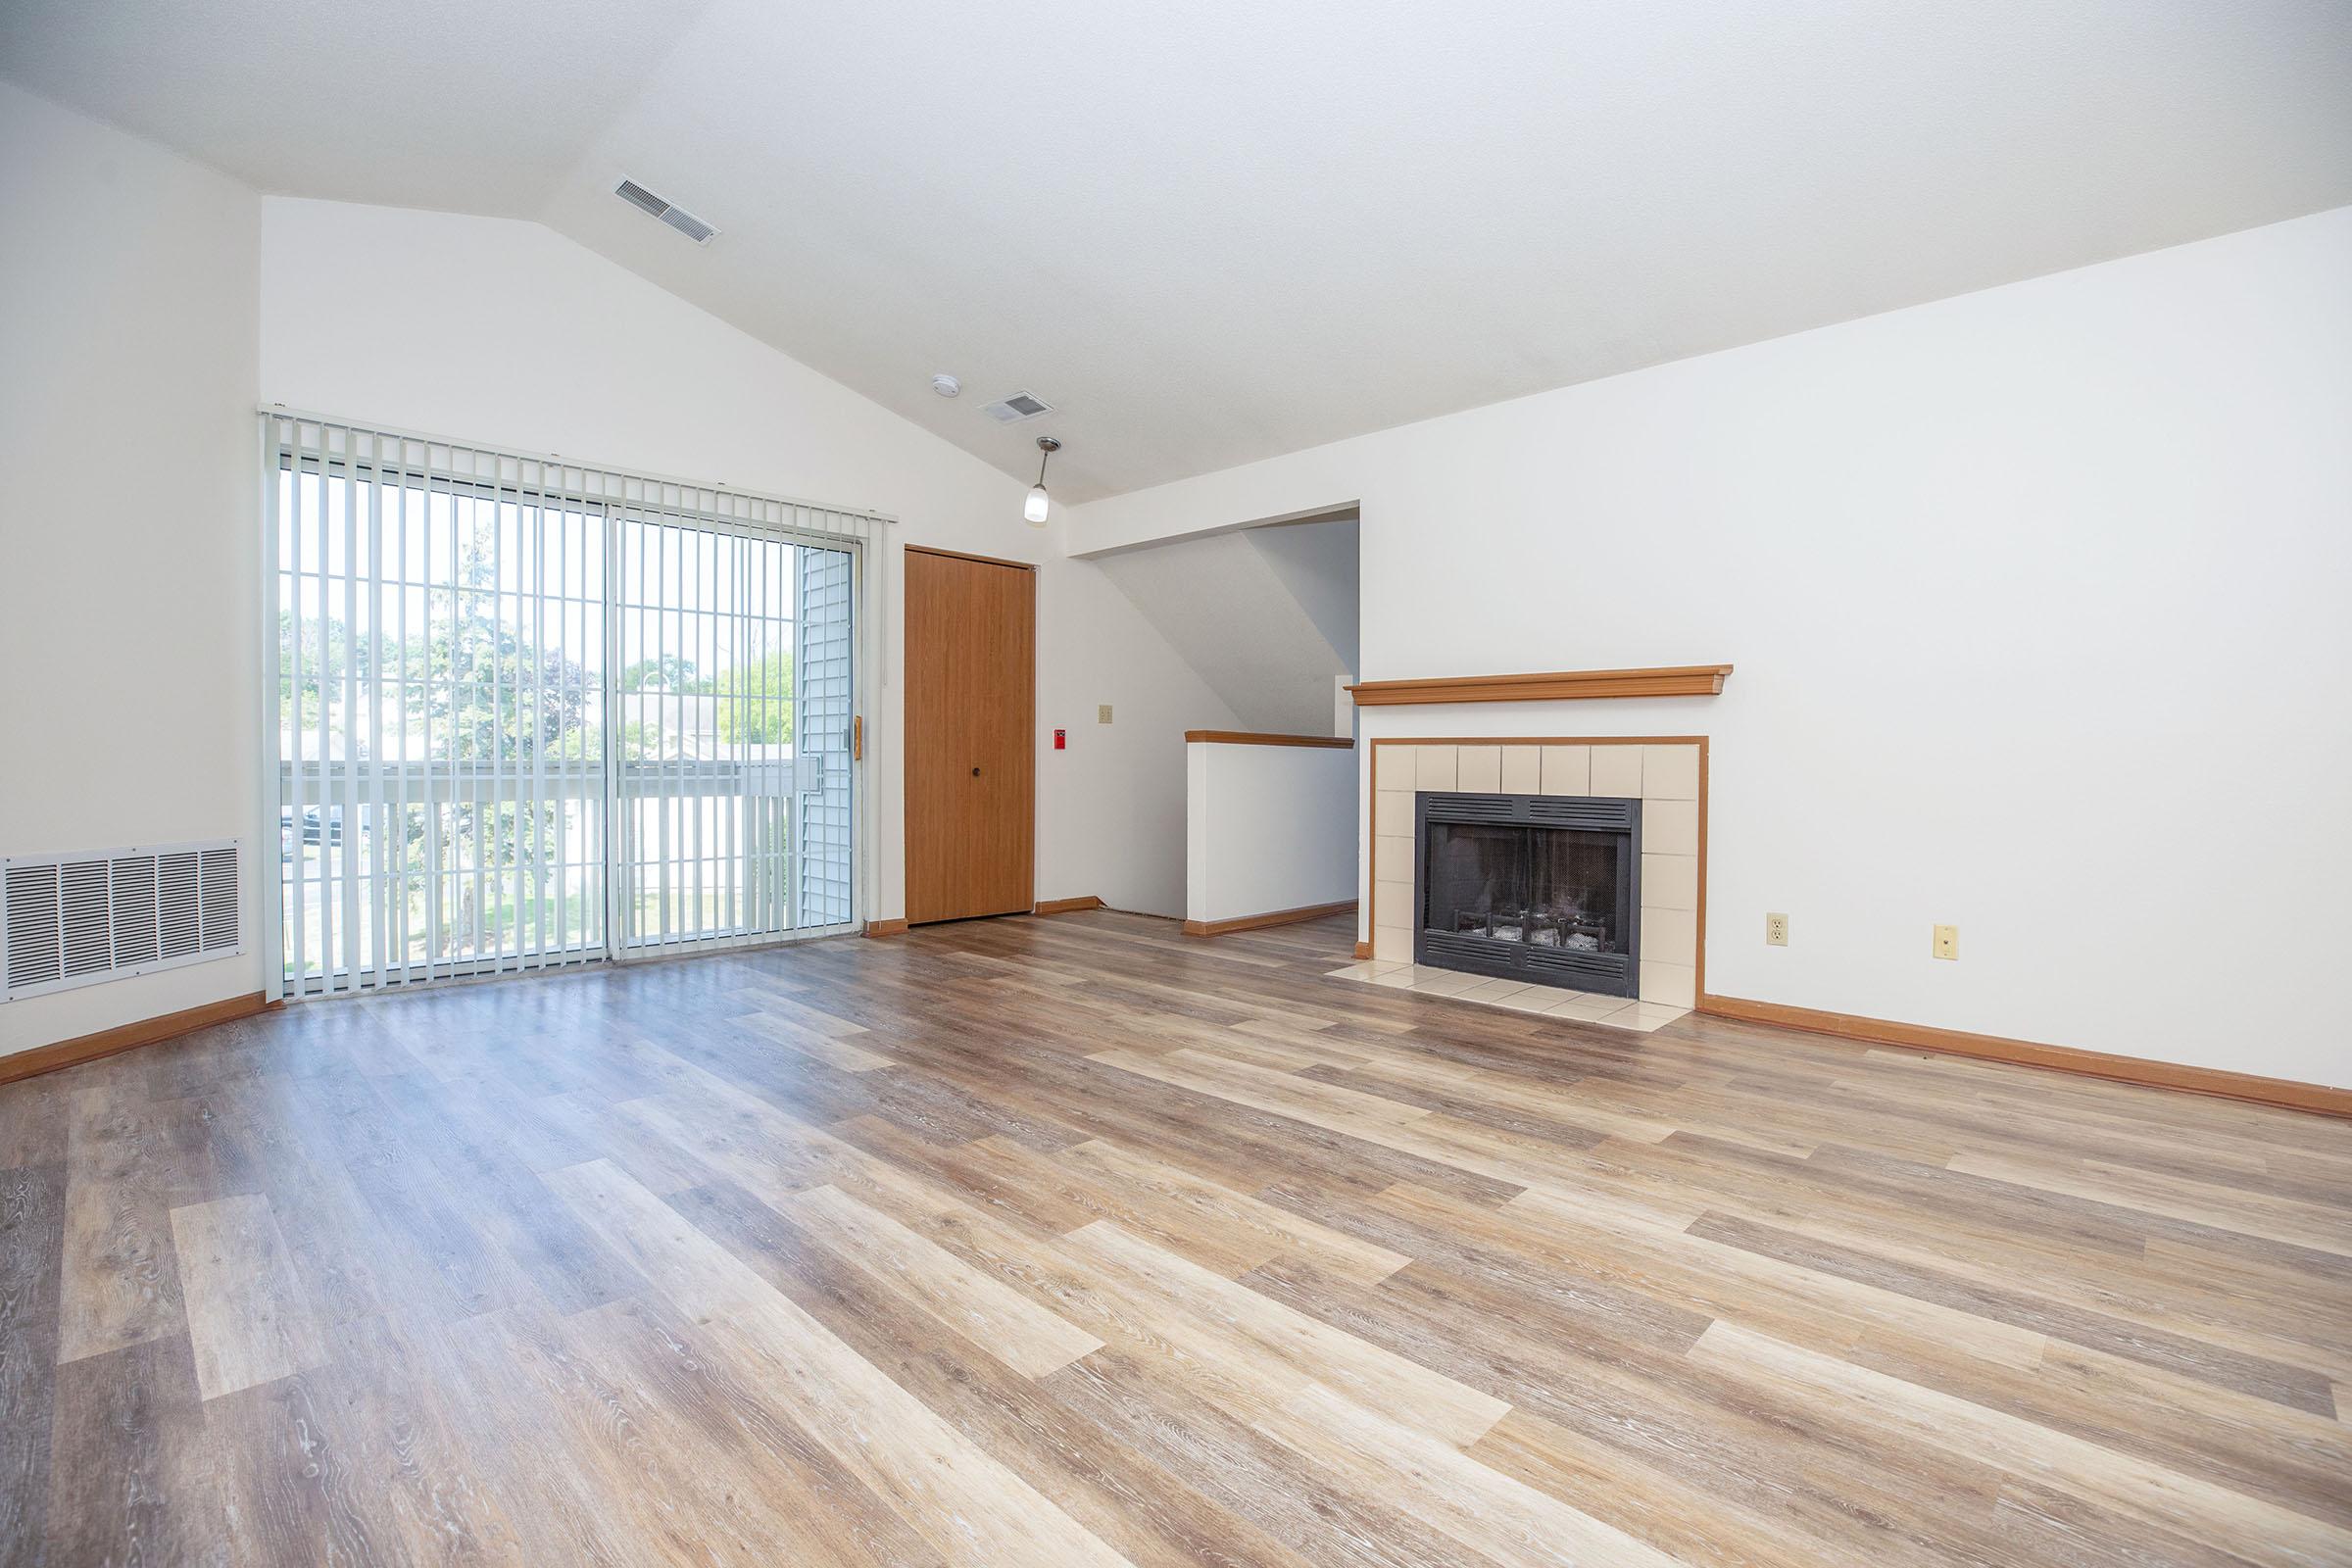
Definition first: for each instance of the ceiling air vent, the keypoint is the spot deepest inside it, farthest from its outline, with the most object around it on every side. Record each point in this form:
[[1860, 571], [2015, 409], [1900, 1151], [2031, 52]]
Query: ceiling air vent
[[1016, 407], [75, 919], [677, 218]]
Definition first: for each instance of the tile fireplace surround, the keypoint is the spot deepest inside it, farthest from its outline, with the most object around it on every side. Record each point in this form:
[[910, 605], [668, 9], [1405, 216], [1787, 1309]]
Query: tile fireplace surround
[[1666, 773]]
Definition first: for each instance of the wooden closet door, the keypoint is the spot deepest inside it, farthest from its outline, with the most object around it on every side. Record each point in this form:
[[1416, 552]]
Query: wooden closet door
[[971, 759]]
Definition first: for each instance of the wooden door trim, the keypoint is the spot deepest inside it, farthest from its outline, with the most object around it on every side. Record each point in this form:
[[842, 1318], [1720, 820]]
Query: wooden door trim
[[965, 555]]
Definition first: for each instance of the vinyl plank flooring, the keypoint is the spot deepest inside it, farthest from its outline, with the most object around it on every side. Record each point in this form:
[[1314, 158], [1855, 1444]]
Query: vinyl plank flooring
[[131, 1475], [1075, 1241], [1135, 1506], [962, 1499], [120, 1281], [953, 1294], [2196, 1509], [32, 1208], [248, 1315]]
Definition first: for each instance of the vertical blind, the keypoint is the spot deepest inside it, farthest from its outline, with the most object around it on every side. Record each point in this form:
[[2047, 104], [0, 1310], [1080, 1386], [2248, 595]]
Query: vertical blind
[[531, 712]]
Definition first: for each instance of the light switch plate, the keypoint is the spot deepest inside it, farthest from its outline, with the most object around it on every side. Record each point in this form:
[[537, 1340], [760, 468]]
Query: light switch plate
[[1948, 942], [1103, 713]]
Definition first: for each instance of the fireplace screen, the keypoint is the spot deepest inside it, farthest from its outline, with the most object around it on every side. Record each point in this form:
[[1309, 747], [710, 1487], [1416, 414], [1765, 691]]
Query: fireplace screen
[[1548, 888], [1532, 887]]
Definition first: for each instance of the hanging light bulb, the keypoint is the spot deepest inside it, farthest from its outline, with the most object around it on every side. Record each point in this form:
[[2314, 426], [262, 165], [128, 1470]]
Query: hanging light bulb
[[1034, 509]]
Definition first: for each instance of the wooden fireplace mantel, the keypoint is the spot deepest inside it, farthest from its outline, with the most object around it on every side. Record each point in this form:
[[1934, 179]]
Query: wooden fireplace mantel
[[1678, 680]]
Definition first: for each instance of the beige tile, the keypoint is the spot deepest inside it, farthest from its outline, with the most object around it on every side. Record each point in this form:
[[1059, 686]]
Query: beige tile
[[1477, 768], [1444, 982], [1669, 935], [1672, 985], [1668, 827], [1670, 772], [1567, 769], [1393, 859], [1391, 770], [1392, 813], [1493, 991], [1395, 976], [1532, 999], [1585, 1009], [1393, 943], [1617, 770], [1392, 903], [1669, 881], [1523, 770], [1647, 1015], [1434, 768]]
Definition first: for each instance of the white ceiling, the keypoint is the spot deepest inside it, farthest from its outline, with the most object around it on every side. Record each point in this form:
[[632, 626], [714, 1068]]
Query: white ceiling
[[1213, 231]]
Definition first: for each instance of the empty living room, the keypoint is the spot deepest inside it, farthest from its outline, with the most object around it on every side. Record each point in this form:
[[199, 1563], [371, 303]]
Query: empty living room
[[1319, 785]]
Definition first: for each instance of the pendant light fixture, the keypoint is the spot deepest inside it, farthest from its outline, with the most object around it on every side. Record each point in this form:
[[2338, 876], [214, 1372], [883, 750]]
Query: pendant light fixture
[[1034, 509]]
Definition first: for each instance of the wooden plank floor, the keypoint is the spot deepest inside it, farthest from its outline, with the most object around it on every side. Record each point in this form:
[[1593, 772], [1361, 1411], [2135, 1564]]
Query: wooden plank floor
[[1071, 1240]]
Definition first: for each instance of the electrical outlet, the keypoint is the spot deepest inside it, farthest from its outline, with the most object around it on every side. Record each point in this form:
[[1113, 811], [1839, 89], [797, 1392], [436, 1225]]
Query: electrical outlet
[[1948, 942], [1103, 713], [1776, 930]]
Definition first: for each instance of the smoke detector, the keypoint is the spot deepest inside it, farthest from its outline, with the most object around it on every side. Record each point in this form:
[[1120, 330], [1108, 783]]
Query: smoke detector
[[677, 218], [1016, 407], [945, 385]]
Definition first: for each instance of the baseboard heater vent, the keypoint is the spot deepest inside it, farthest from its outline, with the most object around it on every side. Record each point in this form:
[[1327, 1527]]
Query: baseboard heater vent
[[75, 919]]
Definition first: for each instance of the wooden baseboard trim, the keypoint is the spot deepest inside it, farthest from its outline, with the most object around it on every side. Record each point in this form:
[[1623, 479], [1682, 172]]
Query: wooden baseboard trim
[[2284, 1091], [1363, 950], [886, 928], [1067, 906], [130, 1035], [1258, 922]]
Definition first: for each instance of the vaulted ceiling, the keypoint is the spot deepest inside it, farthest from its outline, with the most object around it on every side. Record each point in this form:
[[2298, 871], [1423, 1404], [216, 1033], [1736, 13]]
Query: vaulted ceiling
[[1213, 231]]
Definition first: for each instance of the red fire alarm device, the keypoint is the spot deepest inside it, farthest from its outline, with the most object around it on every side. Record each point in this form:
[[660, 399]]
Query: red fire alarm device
[[1061, 740]]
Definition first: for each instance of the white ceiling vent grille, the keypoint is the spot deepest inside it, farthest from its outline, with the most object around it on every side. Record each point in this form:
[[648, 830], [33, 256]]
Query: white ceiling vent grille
[[75, 919], [677, 218], [1016, 407]]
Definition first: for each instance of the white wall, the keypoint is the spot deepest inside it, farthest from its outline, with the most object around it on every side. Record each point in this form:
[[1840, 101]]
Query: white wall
[[2037, 599], [506, 332], [1228, 610], [1268, 828], [128, 598], [1321, 564]]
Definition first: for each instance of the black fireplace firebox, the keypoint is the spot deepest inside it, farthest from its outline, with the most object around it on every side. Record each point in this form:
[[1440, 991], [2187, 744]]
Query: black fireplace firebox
[[1541, 888]]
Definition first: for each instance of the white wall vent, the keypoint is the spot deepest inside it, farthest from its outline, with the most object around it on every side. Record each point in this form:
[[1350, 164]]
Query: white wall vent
[[1016, 407], [677, 218], [75, 919]]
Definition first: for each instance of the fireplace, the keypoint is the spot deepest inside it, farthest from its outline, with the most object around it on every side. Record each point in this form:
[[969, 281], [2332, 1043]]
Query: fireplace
[[1539, 888]]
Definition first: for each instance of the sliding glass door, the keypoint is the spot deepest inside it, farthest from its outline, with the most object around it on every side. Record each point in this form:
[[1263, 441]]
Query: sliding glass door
[[733, 766], [529, 714]]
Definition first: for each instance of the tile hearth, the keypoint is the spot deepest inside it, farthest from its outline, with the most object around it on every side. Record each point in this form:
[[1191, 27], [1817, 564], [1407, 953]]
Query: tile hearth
[[1618, 1013]]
